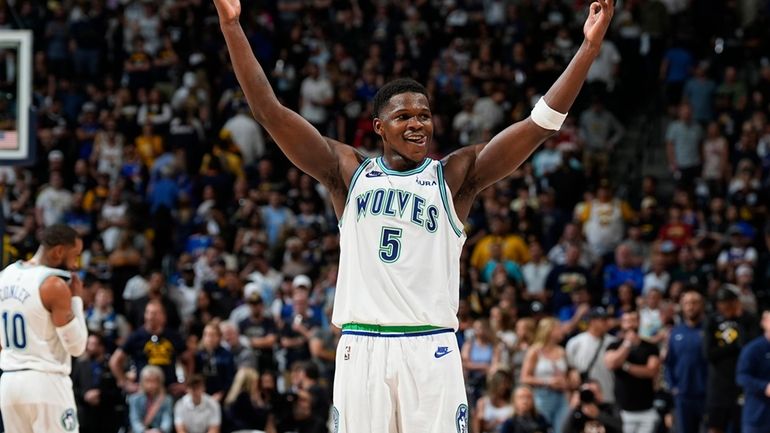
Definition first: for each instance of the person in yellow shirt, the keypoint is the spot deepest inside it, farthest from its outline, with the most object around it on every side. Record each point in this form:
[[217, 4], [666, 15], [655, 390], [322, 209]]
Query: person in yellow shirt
[[149, 145], [228, 155], [604, 219], [514, 247]]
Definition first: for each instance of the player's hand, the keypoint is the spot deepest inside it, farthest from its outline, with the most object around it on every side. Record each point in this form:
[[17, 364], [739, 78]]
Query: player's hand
[[599, 17], [228, 10], [92, 397], [76, 285], [767, 390]]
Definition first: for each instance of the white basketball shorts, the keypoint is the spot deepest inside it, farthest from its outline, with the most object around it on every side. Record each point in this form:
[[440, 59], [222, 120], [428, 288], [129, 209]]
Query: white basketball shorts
[[393, 379], [34, 402]]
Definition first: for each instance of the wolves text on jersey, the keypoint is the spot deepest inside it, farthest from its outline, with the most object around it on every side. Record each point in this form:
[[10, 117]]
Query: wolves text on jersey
[[397, 203]]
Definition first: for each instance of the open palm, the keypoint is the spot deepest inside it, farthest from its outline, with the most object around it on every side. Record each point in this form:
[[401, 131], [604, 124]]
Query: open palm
[[229, 10], [599, 17]]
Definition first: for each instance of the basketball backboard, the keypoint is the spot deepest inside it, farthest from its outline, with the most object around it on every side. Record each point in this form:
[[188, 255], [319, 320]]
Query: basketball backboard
[[17, 139]]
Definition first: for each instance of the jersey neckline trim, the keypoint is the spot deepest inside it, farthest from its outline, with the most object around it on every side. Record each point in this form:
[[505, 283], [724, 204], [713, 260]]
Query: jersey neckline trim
[[415, 170]]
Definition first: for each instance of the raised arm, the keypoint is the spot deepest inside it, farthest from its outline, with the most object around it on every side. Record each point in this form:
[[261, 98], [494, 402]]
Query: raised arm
[[482, 165], [66, 306], [297, 138]]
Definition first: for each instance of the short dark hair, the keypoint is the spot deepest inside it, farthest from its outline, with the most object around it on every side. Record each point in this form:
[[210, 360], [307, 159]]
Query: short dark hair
[[309, 368], [99, 337], [196, 380], [58, 234], [393, 88]]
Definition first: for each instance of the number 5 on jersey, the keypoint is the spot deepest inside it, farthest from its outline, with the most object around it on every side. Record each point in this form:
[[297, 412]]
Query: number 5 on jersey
[[390, 244]]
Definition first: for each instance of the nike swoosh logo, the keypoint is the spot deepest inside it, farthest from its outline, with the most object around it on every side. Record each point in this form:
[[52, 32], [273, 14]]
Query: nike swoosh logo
[[441, 354], [374, 174]]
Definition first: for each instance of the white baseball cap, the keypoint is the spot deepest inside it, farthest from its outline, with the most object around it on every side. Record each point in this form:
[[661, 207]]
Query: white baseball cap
[[302, 280]]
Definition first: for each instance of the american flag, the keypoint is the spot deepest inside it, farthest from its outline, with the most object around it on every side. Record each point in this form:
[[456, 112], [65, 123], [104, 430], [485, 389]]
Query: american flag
[[9, 140]]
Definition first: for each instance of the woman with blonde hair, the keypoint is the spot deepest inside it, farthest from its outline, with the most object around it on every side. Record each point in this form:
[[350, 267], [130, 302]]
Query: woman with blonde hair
[[151, 410], [214, 362], [245, 406], [545, 370], [525, 334]]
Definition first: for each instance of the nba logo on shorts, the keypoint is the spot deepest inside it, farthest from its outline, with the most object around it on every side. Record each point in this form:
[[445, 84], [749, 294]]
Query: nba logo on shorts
[[335, 419], [69, 421], [461, 418]]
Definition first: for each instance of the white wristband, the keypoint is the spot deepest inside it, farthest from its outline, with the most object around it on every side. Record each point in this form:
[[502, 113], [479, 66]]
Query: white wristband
[[546, 117], [74, 335]]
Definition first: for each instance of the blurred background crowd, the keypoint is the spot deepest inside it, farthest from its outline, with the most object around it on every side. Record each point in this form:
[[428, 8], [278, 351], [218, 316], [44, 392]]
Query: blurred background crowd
[[613, 280]]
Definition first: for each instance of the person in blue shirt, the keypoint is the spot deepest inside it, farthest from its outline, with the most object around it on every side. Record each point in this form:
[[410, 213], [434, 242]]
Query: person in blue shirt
[[686, 366], [753, 374], [621, 272], [512, 269]]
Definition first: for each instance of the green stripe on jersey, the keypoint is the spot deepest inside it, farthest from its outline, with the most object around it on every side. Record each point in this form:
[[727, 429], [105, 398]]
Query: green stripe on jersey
[[388, 329], [443, 190], [353, 180]]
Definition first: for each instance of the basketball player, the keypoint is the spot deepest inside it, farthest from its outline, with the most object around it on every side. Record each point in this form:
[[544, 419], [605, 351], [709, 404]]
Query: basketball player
[[43, 327], [401, 223]]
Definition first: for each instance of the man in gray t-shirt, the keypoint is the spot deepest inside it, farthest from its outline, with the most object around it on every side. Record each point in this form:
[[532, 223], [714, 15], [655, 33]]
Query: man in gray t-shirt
[[600, 130], [581, 350], [683, 145]]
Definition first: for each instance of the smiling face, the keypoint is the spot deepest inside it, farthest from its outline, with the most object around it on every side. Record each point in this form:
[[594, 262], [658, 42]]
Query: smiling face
[[406, 127]]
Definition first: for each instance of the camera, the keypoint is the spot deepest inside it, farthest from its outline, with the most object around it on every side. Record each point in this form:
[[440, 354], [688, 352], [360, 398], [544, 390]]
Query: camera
[[587, 396]]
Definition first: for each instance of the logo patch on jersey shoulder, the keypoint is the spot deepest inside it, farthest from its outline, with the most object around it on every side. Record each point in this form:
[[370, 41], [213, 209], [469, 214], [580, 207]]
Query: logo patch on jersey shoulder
[[69, 421], [375, 173], [442, 351], [426, 182], [461, 418], [335, 419]]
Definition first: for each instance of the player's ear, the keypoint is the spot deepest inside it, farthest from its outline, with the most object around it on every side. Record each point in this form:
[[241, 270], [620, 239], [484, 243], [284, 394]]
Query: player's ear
[[57, 252], [377, 124]]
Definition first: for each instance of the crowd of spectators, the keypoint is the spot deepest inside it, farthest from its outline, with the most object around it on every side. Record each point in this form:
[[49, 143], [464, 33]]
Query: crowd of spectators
[[210, 262]]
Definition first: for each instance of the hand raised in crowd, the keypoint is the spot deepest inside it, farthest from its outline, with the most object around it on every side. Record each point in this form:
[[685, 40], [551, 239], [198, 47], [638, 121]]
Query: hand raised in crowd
[[632, 338], [130, 387], [582, 310]]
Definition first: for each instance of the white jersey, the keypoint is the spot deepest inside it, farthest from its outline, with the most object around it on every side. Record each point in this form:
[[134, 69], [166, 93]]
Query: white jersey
[[400, 242], [29, 337]]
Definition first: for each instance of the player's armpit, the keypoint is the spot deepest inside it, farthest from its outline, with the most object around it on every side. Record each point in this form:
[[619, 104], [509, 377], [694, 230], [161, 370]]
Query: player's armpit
[[338, 181], [457, 167]]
